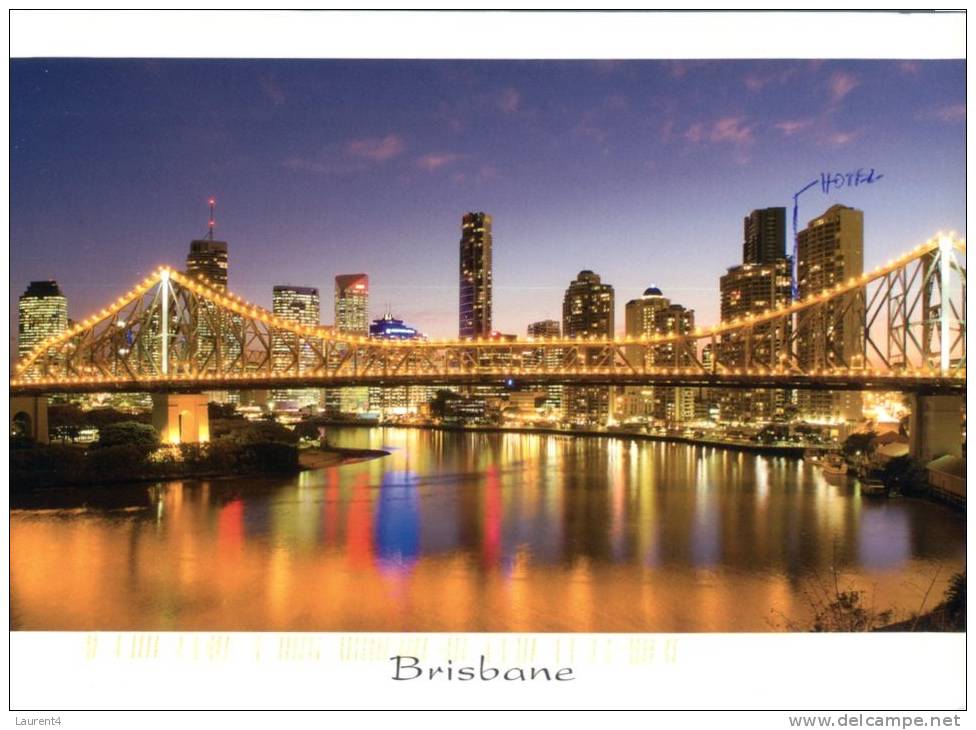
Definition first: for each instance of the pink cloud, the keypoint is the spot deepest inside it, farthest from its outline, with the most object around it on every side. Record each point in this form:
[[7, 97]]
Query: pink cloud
[[909, 67], [435, 161], [790, 127], [757, 81], [356, 155], [731, 129], [377, 149], [840, 139], [841, 84], [948, 114]]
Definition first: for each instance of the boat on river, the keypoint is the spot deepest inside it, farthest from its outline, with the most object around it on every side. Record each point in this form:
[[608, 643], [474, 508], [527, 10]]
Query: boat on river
[[834, 465]]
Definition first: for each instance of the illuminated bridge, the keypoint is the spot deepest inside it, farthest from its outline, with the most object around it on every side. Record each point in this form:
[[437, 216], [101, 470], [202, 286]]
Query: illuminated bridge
[[900, 327]]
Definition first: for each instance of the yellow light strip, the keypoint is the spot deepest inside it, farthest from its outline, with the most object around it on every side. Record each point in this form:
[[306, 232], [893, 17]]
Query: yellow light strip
[[231, 301]]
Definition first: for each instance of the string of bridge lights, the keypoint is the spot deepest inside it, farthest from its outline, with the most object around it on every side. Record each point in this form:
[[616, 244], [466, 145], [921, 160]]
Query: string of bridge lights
[[204, 288]]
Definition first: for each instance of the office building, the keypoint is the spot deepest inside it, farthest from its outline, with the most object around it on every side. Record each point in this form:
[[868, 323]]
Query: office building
[[638, 400], [399, 400], [764, 236], [588, 309], [763, 281], [475, 276], [207, 260], [299, 304], [550, 358], [351, 318], [830, 251], [42, 312], [547, 329], [352, 304], [673, 405], [751, 289], [654, 314]]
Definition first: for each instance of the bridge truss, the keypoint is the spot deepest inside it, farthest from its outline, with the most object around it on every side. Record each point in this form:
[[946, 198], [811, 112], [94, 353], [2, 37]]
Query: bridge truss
[[899, 327]]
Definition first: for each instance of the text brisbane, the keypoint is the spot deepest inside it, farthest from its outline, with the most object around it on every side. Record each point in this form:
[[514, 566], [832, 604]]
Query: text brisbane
[[408, 667]]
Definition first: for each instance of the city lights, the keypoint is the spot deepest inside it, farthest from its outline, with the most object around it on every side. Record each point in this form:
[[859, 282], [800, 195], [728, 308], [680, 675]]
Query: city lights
[[61, 363]]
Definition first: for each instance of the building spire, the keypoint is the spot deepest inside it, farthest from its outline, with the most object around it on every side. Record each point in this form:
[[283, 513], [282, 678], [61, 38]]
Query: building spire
[[211, 224]]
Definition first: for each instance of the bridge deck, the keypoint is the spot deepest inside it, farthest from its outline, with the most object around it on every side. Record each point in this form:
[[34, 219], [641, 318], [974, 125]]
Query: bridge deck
[[925, 384]]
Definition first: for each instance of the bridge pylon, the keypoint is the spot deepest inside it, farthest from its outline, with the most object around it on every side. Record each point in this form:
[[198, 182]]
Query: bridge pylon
[[935, 426], [181, 418], [28, 417]]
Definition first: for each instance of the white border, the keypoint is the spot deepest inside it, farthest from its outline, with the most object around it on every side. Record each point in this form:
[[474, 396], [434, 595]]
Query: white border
[[488, 35], [907, 671]]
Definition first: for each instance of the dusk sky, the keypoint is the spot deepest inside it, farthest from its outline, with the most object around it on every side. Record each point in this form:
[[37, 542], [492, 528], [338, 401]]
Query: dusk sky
[[641, 171]]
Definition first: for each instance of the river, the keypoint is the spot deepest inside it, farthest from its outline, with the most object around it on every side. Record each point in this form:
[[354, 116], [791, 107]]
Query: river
[[482, 532]]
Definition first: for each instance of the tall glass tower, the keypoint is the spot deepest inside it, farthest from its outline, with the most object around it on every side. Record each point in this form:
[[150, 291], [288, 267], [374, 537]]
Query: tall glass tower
[[475, 276], [351, 318]]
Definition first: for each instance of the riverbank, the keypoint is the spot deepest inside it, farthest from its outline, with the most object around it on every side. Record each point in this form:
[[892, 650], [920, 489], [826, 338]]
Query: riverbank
[[108, 490], [794, 451], [325, 456]]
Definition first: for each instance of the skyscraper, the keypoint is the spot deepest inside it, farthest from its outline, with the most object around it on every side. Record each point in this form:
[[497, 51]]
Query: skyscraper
[[43, 313], [588, 307], [550, 357], [208, 259], [764, 236], [351, 318], [672, 404], [352, 304], [587, 312], [639, 322], [763, 281], [830, 251], [654, 314], [475, 276], [299, 304]]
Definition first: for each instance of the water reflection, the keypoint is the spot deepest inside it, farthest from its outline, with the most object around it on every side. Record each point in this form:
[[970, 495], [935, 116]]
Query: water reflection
[[397, 529], [478, 532]]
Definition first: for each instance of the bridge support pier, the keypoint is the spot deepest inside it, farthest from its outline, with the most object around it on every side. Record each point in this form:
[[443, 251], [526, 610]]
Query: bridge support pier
[[181, 418], [28, 417], [935, 426]]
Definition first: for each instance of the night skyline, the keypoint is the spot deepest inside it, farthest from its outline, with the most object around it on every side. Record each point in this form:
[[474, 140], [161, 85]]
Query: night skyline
[[641, 171]]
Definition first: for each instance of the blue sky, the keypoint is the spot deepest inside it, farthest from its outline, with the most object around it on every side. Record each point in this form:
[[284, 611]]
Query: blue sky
[[639, 170]]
